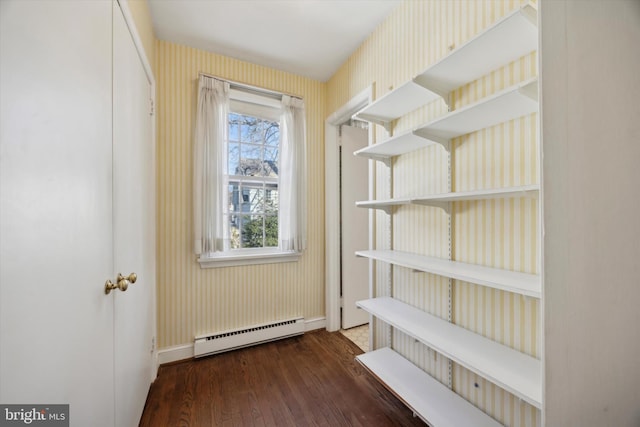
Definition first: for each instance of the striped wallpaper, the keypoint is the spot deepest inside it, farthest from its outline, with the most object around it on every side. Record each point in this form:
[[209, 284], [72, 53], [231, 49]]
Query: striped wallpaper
[[498, 233], [504, 234], [191, 300]]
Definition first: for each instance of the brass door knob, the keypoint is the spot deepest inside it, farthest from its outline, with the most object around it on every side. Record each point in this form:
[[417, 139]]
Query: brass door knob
[[122, 283], [130, 278]]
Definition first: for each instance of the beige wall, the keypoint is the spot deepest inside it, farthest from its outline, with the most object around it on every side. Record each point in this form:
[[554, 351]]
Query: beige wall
[[193, 301], [142, 16], [503, 234]]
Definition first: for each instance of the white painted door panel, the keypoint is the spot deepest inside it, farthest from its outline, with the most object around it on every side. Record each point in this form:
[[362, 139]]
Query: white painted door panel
[[355, 273], [56, 250], [77, 207], [134, 224]]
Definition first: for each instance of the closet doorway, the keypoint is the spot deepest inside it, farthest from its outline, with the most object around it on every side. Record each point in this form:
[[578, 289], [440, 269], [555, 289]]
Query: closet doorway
[[354, 224], [341, 262]]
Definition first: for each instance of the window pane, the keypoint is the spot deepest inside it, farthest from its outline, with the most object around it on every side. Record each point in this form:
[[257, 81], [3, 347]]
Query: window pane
[[234, 231], [246, 123], [234, 158], [270, 169], [253, 231], [244, 129], [271, 231], [257, 134], [234, 134], [251, 151], [251, 160], [271, 204], [272, 134], [234, 197], [252, 199], [271, 157]]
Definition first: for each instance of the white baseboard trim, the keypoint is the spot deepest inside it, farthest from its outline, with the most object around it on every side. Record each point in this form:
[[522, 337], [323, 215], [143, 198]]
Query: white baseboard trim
[[175, 353], [316, 323], [185, 351], [155, 366]]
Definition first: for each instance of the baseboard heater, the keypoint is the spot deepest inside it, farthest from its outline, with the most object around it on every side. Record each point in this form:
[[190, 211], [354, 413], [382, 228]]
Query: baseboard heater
[[206, 345]]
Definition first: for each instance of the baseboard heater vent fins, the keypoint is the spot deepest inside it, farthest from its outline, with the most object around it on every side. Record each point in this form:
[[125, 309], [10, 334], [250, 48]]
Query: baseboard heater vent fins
[[230, 340]]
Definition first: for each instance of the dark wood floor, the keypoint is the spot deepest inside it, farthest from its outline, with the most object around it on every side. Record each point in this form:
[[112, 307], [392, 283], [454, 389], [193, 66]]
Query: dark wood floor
[[310, 380]]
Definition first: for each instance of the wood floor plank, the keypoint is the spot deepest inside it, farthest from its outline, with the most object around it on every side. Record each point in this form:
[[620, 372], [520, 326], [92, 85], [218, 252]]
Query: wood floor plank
[[311, 380]]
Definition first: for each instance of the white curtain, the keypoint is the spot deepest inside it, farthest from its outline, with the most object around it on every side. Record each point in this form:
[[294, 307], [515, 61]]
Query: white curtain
[[211, 230], [293, 176]]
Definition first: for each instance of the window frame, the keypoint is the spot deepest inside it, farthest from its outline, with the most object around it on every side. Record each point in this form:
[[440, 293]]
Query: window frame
[[268, 107]]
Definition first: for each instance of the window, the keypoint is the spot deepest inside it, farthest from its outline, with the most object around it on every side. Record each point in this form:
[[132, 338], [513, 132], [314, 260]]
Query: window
[[249, 176], [253, 151]]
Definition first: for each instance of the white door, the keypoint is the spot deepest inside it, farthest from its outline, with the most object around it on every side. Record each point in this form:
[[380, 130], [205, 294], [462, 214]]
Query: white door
[[56, 250], [134, 224], [76, 208], [354, 226]]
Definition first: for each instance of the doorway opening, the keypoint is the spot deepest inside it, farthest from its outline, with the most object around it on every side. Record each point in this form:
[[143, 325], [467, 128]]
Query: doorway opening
[[348, 228], [354, 228]]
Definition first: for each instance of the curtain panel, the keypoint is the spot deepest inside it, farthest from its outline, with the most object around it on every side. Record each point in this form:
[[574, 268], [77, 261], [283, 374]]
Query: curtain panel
[[211, 231], [292, 224]]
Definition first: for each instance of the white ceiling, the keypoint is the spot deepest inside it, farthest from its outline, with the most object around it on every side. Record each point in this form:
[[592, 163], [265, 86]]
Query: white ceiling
[[311, 38]]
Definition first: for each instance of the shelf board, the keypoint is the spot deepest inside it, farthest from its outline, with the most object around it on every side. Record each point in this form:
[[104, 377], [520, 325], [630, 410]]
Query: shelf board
[[385, 205], [511, 103], [433, 402], [511, 281], [400, 144], [397, 103], [508, 39], [442, 200], [511, 370]]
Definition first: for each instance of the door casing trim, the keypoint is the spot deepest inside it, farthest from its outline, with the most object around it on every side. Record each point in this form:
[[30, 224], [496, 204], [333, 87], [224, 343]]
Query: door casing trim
[[332, 204]]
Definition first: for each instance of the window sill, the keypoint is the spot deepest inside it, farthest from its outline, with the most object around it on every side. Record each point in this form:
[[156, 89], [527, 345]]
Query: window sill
[[250, 258]]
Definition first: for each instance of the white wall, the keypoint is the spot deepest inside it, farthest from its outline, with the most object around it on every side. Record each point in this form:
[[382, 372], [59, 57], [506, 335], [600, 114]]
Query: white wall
[[590, 71]]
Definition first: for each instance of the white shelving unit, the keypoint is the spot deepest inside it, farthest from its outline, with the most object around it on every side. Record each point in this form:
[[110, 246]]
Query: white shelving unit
[[516, 372], [431, 400], [400, 144], [511, 281], [511, 103], [442, 200], [507, 40]]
